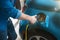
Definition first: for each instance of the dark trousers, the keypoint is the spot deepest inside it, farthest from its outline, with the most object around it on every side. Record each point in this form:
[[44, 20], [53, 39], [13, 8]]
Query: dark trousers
[[11, 31]]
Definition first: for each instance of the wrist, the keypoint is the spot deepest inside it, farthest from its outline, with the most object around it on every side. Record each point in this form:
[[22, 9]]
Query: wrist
[[29, 18]]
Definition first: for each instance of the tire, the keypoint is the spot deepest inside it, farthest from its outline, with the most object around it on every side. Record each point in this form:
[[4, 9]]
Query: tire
[[39, 34]]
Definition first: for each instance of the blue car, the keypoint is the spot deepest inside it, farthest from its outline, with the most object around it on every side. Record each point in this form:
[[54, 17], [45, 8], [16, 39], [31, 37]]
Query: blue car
[[49, 29]]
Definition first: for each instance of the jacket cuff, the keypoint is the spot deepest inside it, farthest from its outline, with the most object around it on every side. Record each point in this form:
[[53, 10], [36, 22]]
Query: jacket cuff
[[18, 14]]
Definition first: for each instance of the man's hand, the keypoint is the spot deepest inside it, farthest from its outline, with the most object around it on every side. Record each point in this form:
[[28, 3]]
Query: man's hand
[[33, 19]]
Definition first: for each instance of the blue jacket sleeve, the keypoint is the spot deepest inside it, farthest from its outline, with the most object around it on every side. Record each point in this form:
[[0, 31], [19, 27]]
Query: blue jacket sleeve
[[10, 10]]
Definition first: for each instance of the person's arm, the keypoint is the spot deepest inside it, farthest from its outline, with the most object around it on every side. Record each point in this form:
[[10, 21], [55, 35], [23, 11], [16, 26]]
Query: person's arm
[[15, 13], [32, 19]]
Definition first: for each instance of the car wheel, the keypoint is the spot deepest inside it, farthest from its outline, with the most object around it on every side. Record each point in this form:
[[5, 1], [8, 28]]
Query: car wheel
[[39, 34]]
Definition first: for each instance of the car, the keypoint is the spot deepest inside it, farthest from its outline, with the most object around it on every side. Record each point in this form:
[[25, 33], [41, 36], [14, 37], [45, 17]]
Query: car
[[49, 29]]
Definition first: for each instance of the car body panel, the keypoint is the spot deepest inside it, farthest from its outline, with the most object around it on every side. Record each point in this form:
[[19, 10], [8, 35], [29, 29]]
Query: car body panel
[[52, 28]]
